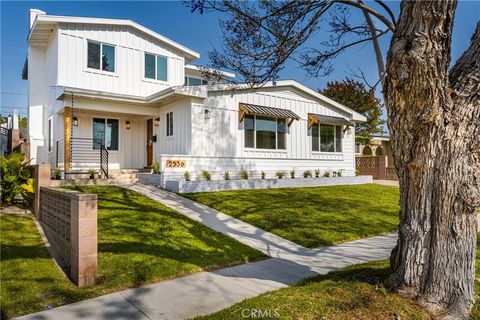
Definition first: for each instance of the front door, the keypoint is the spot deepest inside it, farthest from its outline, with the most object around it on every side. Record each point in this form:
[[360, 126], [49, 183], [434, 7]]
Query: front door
[[149, 142]]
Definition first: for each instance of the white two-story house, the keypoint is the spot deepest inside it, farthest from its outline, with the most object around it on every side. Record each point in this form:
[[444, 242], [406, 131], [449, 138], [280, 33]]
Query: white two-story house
[[110, 94]]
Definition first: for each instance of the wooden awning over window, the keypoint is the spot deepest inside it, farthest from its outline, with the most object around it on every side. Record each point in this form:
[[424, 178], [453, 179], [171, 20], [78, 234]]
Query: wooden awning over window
[[251, 109], [318, 118]]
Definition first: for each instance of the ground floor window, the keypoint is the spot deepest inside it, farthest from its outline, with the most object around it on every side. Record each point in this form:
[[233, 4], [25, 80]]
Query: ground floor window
[[265, 132], [105, 131], [326, 138], [50, 134]]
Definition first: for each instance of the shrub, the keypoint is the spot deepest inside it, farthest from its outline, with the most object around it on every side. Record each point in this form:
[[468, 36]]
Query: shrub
[[15, 177], [292, 174], [226, 175], [57, 173], [155, 167], [187, 176], [280, 174], [357, 172], [317, 173], [307, 174], [339, 173], [326, 174], [263, 175], [92, 173], [244, 174], [206, 175]]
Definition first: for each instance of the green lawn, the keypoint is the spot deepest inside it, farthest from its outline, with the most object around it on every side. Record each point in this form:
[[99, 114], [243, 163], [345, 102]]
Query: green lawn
[[140, 241], [355, 293], [312, 217]]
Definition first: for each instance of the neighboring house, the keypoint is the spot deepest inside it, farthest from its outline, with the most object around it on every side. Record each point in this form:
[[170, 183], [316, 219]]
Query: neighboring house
[[13, 138], [113, 88], [379, 146]]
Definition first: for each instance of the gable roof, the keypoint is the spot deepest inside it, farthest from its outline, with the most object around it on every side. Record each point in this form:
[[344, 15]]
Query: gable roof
[[44, 24], [292, 84]]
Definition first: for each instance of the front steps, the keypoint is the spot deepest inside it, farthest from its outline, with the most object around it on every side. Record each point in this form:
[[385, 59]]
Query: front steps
[[115, 176]]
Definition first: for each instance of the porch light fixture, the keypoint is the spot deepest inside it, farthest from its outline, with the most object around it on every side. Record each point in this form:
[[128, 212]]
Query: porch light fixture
[[75, 121], [156, 122], [207, 114], [127, 125]]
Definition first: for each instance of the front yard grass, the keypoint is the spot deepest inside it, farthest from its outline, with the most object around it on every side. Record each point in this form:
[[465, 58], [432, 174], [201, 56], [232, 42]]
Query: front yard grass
[[139, 241], [312, 217]]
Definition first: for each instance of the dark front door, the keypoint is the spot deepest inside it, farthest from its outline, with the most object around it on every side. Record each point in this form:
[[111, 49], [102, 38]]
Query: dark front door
[[149, 142]]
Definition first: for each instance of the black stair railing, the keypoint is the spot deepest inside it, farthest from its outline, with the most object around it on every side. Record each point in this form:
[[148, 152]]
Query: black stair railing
[[85, 154]]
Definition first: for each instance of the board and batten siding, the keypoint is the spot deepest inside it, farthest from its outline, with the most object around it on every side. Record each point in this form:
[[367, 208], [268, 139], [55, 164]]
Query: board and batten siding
[[130, 47], [218, 142]]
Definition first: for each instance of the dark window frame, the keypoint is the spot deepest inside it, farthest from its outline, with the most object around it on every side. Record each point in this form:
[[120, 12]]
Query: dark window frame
[[100, 57], [156, 57], [105, 124], [169, 124], [255, 145], [317, 147]]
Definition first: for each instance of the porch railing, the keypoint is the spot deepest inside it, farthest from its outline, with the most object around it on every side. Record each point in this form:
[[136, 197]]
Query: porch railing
[[85, 154]]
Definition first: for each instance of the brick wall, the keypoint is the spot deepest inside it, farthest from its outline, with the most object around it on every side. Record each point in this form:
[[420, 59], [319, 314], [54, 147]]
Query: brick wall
[[69, 220]]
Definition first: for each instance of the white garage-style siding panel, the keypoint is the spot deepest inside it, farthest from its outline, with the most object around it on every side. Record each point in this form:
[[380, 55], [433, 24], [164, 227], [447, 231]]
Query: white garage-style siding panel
[[130, 47]]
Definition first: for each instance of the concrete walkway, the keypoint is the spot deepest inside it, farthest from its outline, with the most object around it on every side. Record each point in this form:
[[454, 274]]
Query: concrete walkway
[[207, 292], [393, 183]]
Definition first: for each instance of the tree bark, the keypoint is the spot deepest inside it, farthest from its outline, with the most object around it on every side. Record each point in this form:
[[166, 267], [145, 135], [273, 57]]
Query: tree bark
[[434, 122]]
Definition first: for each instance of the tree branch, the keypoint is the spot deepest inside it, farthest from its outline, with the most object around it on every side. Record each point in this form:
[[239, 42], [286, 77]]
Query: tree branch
[[375, 13]]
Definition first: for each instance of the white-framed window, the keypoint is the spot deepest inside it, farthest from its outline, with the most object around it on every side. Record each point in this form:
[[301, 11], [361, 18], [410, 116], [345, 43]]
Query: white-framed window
[[105, 131], [50, 134], [262, 132], [191, 81], [100, 56], [156, 67], [357, 147], [326, 138], [169, 124]]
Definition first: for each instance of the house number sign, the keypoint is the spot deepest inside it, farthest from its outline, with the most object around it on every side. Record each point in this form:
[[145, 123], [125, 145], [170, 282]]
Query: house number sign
[[176, 163]]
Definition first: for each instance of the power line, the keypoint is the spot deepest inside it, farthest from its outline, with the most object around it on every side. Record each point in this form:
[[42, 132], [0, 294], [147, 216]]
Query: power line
[[15, 93]]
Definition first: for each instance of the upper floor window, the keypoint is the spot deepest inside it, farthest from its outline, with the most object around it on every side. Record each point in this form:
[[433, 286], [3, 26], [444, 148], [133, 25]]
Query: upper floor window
[[189, 81], [169, 124], [326, 138], [155, 67], [101, 56], [265, 132]]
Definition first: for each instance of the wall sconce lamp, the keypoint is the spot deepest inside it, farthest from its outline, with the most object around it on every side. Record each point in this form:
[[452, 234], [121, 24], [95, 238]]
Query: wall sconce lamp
[[207, 114], [75, 121], [156, 122], [127, 125]]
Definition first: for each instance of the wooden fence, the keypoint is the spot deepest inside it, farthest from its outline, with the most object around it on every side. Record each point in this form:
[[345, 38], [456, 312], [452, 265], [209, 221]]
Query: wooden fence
[[376, 166]]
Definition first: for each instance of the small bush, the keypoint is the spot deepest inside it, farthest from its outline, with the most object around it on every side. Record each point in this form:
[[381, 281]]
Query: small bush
[[317, 173], [307, 174], [326, 174], [186, 175], [155, 167], [15, 177], [292, 174], [206, 175], [263, 175], [357, 172], [339, 173], [244, 174], [91, 173], [57, 173], [226, 175], [280, 174]]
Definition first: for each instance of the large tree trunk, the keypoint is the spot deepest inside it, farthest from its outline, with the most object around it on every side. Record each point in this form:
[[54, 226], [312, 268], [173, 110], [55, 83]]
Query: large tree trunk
[[434, 121]]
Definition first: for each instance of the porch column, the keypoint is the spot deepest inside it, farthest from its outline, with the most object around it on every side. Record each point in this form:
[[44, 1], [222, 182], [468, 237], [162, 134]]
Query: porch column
[[67, 133]]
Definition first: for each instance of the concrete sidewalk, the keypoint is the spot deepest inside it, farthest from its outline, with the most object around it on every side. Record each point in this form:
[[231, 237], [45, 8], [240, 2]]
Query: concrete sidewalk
[[207, 292]]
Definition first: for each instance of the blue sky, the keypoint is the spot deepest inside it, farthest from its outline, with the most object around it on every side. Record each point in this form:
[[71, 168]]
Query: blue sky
[[198, 32]]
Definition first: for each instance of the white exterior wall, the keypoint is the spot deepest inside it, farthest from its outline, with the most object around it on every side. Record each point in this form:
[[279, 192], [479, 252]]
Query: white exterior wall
[[130, 47], [42, 75], [218, 143]]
